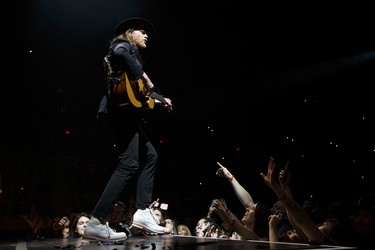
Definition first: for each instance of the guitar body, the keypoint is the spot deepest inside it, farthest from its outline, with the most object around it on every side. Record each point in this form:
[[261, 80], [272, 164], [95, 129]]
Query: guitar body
[[131, 92]]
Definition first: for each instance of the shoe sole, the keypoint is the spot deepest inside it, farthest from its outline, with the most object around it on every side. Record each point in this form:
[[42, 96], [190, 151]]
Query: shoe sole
[[92, 238], [143, 227]]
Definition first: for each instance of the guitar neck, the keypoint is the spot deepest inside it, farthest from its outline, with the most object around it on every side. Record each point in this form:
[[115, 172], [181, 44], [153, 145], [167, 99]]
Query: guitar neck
[[158, 97], [160, 100]]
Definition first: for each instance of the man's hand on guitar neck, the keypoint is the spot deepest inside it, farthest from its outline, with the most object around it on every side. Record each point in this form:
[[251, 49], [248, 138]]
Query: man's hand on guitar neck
[[148, 90], [162, 101], [168, 104]]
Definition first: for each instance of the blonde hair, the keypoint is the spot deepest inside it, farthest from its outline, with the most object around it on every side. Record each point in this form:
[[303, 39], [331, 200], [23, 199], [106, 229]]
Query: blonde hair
[[127, 35], [184, 227]]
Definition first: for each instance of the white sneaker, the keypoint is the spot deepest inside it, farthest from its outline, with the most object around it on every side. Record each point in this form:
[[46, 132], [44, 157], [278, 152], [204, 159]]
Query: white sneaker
[[95, 230], [144, 220]]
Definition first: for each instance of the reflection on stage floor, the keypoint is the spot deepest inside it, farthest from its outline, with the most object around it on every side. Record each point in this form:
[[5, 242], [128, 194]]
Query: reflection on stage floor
[[163, 242]]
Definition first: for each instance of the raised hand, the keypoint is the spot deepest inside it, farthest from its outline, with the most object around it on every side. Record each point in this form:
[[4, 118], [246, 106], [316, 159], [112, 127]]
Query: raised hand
[[223, 171], [269, 178], [284, 179], [224, 204], [219, 205], [64, 221], [154, 204]]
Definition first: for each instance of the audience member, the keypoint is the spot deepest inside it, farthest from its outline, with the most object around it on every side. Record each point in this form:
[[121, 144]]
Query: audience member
[[159, 212], [64, 223], [202, 226], [79, 225], [214, 231], [254, 224], [77, 228], [183, 230], [306, 230], [280, 221]]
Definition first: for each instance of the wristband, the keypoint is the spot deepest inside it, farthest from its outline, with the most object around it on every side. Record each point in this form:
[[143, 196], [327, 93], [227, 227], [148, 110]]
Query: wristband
[[231, 178]]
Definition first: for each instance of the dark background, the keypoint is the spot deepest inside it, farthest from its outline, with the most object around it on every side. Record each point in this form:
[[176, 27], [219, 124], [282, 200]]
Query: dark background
[[248, 81]]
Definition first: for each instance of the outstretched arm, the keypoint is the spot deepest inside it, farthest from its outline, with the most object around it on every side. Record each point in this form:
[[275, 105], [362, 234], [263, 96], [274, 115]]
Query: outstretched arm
[[221, 209], [297, 215], [241, 192]]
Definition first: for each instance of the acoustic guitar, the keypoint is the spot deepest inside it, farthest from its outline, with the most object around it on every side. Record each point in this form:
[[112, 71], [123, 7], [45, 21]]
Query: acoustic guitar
[[129, 91]]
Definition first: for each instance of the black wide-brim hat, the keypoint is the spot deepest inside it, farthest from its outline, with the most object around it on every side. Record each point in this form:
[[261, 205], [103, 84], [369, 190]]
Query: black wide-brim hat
[[135, 23]]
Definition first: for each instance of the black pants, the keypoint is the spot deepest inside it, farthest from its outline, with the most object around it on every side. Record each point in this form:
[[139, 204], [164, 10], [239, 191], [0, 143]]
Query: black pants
[[135, 155]]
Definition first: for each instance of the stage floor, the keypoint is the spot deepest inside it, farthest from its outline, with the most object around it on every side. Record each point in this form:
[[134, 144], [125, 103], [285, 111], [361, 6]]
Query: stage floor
[[163, 242]]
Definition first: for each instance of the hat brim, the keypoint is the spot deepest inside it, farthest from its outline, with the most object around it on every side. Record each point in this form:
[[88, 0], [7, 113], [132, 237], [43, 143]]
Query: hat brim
[[135, 23]]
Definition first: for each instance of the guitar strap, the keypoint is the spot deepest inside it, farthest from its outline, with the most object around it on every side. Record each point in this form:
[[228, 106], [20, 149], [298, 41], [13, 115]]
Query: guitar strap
[[114, 80], [108, 67]]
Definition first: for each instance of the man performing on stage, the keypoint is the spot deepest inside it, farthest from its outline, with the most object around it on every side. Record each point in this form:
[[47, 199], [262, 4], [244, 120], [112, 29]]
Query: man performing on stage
[[127, 93]]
